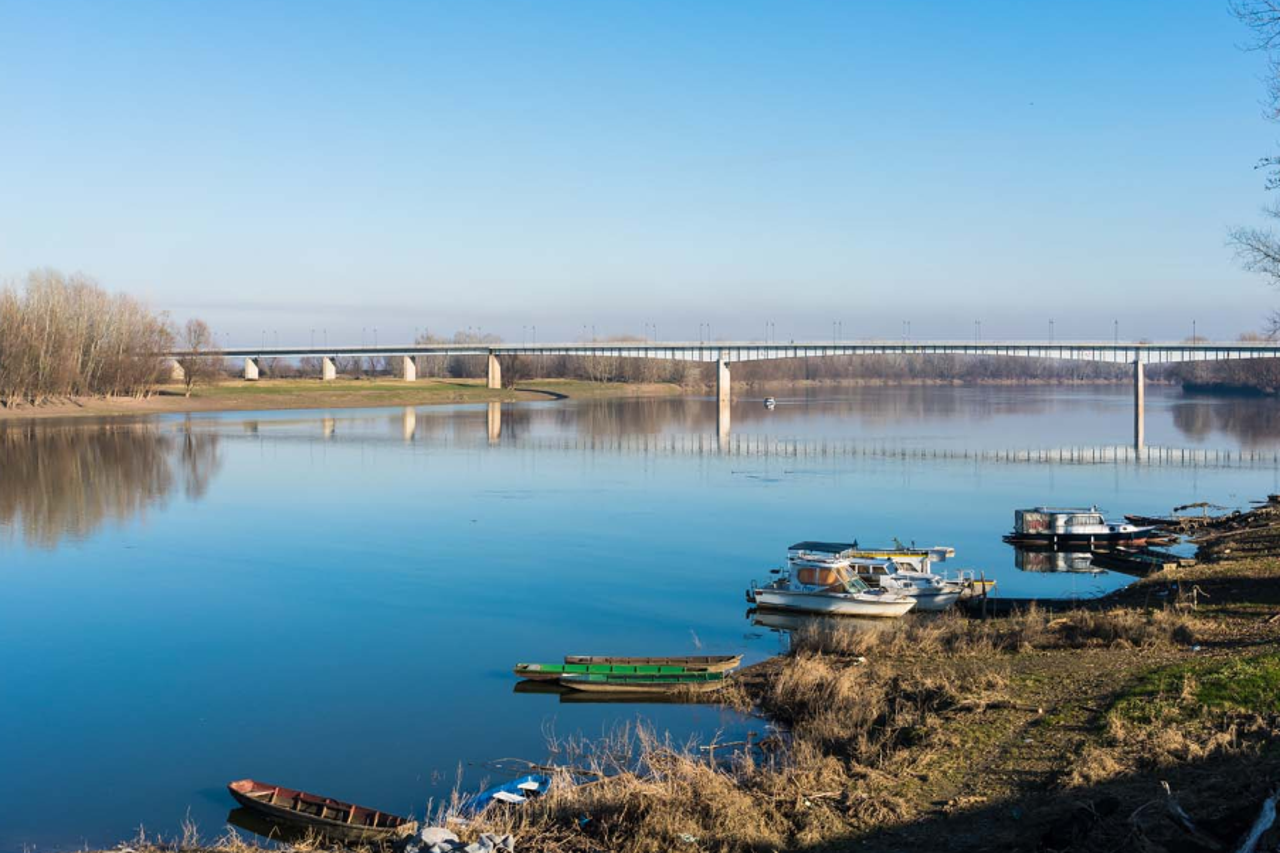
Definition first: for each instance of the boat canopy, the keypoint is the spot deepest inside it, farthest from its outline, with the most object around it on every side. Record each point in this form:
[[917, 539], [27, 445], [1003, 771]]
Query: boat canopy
[[836, 548]]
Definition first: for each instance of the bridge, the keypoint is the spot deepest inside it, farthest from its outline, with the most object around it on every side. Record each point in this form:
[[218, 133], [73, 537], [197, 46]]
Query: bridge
[[725, 353]]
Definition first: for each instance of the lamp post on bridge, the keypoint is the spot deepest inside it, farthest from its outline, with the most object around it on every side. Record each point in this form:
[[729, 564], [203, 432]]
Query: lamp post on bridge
[[1051, 331], [1116, 331], [977, 331]]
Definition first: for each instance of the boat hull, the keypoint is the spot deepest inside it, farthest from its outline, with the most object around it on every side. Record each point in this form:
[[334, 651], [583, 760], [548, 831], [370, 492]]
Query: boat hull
[[834, 604], [330, 827], [645, 687], [932, 602]]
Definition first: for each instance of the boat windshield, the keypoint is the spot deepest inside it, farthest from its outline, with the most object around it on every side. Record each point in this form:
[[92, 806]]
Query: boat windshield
[[856, 584]]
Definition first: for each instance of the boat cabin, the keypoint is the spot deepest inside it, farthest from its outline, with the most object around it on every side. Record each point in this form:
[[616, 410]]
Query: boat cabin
[[1060, 522]]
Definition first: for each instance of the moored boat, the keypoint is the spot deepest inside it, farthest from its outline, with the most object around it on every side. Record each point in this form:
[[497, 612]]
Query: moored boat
[[325, 816], [833, 590], [770, 403], [553, 671], [692, 663], [696, 682], [516, 792], [1065, 527]]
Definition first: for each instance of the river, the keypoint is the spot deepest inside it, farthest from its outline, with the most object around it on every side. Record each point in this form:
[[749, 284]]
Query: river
[[333, 600]]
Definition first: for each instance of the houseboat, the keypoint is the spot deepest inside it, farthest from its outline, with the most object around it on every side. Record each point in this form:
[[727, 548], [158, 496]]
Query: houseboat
[[1084, 528]]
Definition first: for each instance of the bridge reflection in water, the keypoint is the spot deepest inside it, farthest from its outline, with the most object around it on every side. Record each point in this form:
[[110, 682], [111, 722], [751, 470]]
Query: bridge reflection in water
[[409, 424]]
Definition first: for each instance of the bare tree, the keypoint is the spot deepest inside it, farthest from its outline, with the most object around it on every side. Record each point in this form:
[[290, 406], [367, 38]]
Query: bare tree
[[201, 361], [1258, 249]]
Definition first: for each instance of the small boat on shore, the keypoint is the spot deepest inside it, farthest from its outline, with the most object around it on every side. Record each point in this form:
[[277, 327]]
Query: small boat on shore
[[692, 663], [770, 403], [695, 682], [325, 816], [514, 793], [1058, 527], [834, 590]]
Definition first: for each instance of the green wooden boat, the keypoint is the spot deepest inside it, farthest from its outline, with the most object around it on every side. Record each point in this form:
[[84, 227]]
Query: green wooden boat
[[553, 671], [697, 682]]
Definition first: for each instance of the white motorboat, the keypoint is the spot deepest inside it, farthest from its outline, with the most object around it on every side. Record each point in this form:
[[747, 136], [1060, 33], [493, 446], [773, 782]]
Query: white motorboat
[[833, 590], [770, 403], [931, 592]]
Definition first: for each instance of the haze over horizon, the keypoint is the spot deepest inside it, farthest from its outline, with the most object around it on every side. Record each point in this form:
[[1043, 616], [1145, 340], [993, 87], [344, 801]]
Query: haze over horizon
[[409, 165]]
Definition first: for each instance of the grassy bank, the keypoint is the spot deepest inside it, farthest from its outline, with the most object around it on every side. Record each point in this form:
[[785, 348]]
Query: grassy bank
[[339, 393]]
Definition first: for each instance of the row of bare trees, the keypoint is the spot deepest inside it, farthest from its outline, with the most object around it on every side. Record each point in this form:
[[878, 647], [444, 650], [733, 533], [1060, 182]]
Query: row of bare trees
[[64, 336]]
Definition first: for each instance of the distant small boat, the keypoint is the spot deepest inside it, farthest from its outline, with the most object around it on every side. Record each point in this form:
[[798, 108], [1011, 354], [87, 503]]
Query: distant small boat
[[553, 671], [324, 815], [514, 793], [697, 682], [692, 663], [770, 403]]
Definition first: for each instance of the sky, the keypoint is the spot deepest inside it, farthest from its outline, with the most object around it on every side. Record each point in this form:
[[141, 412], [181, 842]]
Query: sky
[[620, 167]]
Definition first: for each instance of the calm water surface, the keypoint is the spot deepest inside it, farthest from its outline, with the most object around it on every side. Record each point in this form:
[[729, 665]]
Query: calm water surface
[[333, 600]]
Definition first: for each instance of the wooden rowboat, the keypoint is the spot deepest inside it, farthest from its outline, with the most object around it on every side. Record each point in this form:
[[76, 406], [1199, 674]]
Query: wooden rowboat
[[325, 816], [695, 682], [692, 663], [553, 671]]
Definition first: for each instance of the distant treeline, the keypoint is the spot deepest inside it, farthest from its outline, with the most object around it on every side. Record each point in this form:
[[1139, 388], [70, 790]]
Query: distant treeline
[[67, 337]]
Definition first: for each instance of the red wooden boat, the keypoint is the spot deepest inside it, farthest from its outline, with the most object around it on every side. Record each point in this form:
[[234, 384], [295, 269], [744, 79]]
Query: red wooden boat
[[323, 815]]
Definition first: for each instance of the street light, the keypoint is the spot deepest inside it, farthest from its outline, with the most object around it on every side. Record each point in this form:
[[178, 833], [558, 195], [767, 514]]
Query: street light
[[977, 331], [1116, 327], [1193, 331], [313, 338], [1051, 331]]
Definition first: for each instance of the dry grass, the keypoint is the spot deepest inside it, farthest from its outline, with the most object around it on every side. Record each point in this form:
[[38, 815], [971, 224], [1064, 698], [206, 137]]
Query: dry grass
[[953, 634]]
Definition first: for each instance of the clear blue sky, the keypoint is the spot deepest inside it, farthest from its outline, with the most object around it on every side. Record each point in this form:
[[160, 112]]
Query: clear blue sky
[[340, 165]]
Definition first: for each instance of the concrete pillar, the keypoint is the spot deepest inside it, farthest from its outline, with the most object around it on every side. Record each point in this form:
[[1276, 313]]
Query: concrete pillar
[[1139, 404], [495, 422], [328, 370], [176, 373], [409, 423], [409, 369], [495, 372], [723, 383], [250, 370]]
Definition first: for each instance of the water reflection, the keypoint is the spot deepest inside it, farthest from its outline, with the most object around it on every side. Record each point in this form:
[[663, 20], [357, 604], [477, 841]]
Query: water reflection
[[1252, 421], [67, 481], [1051, 560]]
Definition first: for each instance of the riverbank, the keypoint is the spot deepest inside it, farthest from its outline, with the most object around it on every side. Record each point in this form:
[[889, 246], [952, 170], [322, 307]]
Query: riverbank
[[1145, 720], [337, 394]]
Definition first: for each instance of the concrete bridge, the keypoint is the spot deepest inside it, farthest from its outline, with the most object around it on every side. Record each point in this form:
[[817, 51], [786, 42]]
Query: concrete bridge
[[725, 353]]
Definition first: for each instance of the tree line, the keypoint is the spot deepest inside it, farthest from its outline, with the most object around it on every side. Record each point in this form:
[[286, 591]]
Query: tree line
[[64, 336]]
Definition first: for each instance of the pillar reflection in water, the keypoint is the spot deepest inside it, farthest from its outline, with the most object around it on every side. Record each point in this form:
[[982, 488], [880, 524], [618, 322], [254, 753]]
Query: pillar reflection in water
[[495, 422]]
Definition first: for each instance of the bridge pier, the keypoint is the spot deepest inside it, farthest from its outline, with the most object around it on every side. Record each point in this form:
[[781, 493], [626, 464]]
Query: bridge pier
[[1139, 405], [176, 373], [723, 385], [409, 369], [495, 372], [251, 370], [328, 370]]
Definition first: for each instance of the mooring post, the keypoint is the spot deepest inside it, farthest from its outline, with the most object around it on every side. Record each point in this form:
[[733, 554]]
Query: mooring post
[[1139, 404], [495, 372]]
